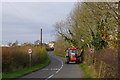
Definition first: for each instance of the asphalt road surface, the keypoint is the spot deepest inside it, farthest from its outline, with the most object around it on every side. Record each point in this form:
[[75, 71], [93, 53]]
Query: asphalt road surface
[[56, 69]]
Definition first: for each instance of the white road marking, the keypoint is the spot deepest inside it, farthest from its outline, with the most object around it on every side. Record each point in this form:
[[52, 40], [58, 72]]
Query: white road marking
[[52, 69], [50, 76], [57, 70]]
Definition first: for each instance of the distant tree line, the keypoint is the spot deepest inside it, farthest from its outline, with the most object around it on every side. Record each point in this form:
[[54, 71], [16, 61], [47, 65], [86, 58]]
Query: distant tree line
[[36, 43]]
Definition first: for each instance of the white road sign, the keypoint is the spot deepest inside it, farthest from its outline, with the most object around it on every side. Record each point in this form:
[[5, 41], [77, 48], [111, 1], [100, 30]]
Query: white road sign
[[29, 51]]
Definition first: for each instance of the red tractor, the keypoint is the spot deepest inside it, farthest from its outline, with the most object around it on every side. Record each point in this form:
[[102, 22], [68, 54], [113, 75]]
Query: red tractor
[[72, 56]]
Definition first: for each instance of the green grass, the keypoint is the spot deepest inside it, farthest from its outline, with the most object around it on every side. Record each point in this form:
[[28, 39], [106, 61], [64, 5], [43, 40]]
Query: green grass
[[59, 55], [87, 72], [25, 71]]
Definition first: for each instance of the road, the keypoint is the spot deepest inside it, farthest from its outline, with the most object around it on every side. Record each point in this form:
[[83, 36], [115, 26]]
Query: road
[[56, 69]]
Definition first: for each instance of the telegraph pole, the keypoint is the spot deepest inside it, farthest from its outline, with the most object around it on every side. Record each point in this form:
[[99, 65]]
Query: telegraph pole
[[41, 37]]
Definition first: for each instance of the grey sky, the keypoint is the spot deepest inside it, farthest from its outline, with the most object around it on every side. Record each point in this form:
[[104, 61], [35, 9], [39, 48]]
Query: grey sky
[[22, 20]]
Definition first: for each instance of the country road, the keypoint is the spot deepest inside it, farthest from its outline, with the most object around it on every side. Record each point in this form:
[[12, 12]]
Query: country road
[[56, 69]]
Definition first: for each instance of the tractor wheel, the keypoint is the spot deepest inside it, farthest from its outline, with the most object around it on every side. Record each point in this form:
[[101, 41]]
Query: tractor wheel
[[67, 62], [77, 62]]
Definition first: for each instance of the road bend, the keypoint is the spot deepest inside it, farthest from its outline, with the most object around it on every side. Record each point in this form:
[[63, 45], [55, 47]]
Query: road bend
[[56, 69]]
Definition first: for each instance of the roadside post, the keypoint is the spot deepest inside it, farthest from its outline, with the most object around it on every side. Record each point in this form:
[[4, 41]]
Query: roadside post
[[30, 57]]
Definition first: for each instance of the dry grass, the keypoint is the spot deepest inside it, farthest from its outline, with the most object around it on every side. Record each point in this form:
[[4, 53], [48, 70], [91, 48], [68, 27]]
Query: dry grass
[[16, 58], [104, 63]]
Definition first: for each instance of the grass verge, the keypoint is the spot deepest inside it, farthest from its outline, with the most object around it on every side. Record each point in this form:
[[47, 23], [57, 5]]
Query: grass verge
[[88, 73], [25, 71], [59, 55]]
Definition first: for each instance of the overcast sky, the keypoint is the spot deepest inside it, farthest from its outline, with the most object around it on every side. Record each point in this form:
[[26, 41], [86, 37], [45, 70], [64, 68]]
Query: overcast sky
[[22, 20]]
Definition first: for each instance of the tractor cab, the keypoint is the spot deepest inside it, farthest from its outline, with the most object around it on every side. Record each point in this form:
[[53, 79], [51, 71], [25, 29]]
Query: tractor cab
[[71, 55]]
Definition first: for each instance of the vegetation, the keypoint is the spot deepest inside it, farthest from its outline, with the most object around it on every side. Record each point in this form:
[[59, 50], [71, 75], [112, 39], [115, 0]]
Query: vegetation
[[15, 59], [24, 71], [87, 72], [61, 46], [92, 25]]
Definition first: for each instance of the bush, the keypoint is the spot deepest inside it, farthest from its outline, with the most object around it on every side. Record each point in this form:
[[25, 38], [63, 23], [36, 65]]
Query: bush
[[104, 63], [16, 58]]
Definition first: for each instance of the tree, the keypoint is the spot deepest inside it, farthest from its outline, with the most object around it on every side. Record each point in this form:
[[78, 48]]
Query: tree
[[9, 44], [15, 44], [37, 43], [87, 21]]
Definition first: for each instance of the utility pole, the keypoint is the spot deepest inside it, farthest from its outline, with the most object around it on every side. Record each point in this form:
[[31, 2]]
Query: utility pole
[[41, 38]]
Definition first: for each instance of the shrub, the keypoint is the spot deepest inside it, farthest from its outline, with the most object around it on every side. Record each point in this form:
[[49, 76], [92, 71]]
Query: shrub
[[16, 58]]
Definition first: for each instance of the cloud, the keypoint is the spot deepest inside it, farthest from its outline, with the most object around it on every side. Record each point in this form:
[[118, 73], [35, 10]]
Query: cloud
[[22, 20]]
